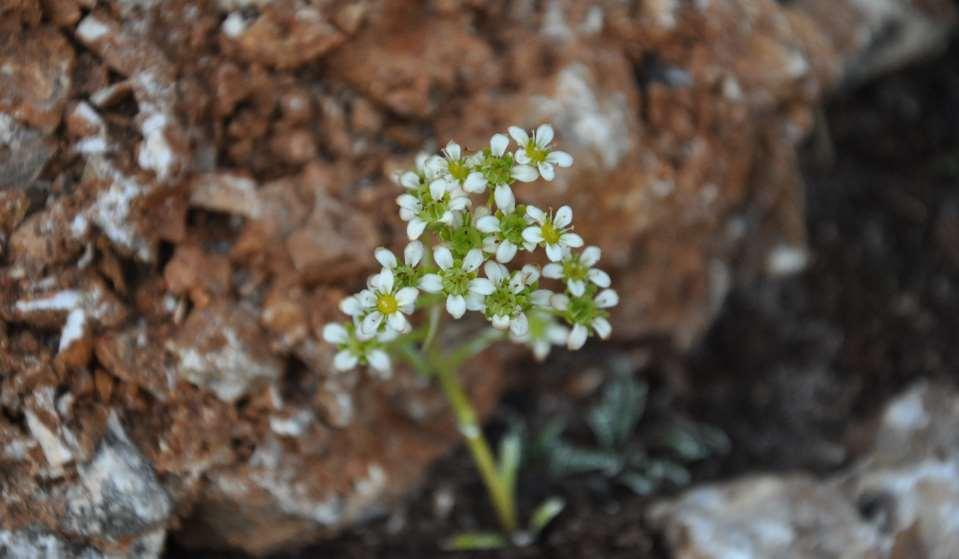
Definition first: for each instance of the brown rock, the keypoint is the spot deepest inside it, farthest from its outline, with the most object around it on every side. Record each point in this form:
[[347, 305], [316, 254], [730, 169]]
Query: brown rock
[[36, 81], [283, 36], [23, 153], [333, 243]]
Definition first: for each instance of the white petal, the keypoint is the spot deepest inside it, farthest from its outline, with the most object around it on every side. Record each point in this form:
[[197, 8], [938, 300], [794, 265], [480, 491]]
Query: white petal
[[524, 173], [386, 280], [453, 150], [459, 203], [590, 256], [563, 217], [519, 135], [560, 158], [490, 244], [443, 257], [398, 322], [544, 135], [495, 272], [541, 297], [488, 224], [366, 298], [602, 327], [372, 322], [334, 333], [557, 334], [559, 301], [536, 214], [571, 240], [410, 179], [522, 157], [505, 251], [351, 306], [498, 144], [344, 361], [516, 283], [475, 182], [505, 200], [447, 217], [431, 283], [540, 350], [438, 188], [385, 257], [530, 274], [533, 234], [473, 260], [577, 337], [413, 254], [519, 326], [475, 302], [554, 252], [415, 228], [606, 299], [379, 360], [546, 171], [500, 322], [553, 271], [482, 286], [409, 202], [406, 214], [576, 287], [599, 277], [456, 305], [406, 296]]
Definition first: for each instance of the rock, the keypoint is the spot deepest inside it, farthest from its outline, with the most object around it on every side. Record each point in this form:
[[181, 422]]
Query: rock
[[901, 496], [283, 36], [37, 76], [23, 155], [220, 348]]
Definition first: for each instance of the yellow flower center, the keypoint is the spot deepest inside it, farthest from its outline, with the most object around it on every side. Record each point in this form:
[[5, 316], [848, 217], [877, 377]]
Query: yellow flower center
[[386, 303], [550, 234]]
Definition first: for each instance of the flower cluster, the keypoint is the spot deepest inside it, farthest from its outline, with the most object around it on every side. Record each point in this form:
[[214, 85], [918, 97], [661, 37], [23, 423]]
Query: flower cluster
[[463, 204]]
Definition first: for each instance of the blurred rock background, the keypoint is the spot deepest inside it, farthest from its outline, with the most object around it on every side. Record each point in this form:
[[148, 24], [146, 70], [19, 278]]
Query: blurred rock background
[[188, 188]]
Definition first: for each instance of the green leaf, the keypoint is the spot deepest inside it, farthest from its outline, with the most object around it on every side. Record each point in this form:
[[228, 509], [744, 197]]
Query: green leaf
[[566, 460], [475, 541], [637, 483], [617, 414], [692, 441], [667, 470], [545, 513], [510, 452]]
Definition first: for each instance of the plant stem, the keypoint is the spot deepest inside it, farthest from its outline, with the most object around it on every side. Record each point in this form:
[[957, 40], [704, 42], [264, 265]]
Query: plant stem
[[499, 493]]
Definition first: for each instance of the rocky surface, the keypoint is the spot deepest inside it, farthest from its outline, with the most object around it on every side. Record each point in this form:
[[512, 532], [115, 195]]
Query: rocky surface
[[188, 188], [900, 499]]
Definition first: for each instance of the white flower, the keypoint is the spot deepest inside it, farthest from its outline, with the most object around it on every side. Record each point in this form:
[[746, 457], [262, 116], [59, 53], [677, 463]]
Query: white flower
[[544, 332], [499, 168], [405, 274], [552, 231], [428, 205], [504, 234], [536, 150], [586, 313], [464, 291], [385, 303], [512, 297], [577, 270], [458, 168], [355, 349]]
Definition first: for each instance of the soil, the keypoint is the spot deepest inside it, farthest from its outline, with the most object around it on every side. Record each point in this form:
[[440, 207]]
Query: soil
[[792, 371]]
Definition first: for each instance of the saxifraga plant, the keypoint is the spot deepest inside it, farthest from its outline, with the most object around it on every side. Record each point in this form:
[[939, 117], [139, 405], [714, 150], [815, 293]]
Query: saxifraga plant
[[618, 457], [465, 229]]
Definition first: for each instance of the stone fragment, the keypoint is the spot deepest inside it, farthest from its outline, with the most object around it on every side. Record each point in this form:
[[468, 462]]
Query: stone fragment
[[37, 76], [135, 355], [283, 38], [23, 153], [222, 349], [226, 192]]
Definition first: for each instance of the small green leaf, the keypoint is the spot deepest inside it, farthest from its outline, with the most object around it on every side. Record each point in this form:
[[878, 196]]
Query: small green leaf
[[544, 514], [617, 414], [475, 541], [510, 452], [568, 460], [668, 470], [637, 483]]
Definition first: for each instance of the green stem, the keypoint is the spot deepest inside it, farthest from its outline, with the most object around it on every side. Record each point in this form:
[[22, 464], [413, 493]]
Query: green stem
[[499, 493], [435, 315]]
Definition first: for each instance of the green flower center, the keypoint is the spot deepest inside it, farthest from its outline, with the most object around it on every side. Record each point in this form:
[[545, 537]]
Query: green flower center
[[458, 170], [582, 310], [511, 226], [386, 303], [550, 233], [456, 281], [575, 270], [497, 170], [535, 154], [406, 276]]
